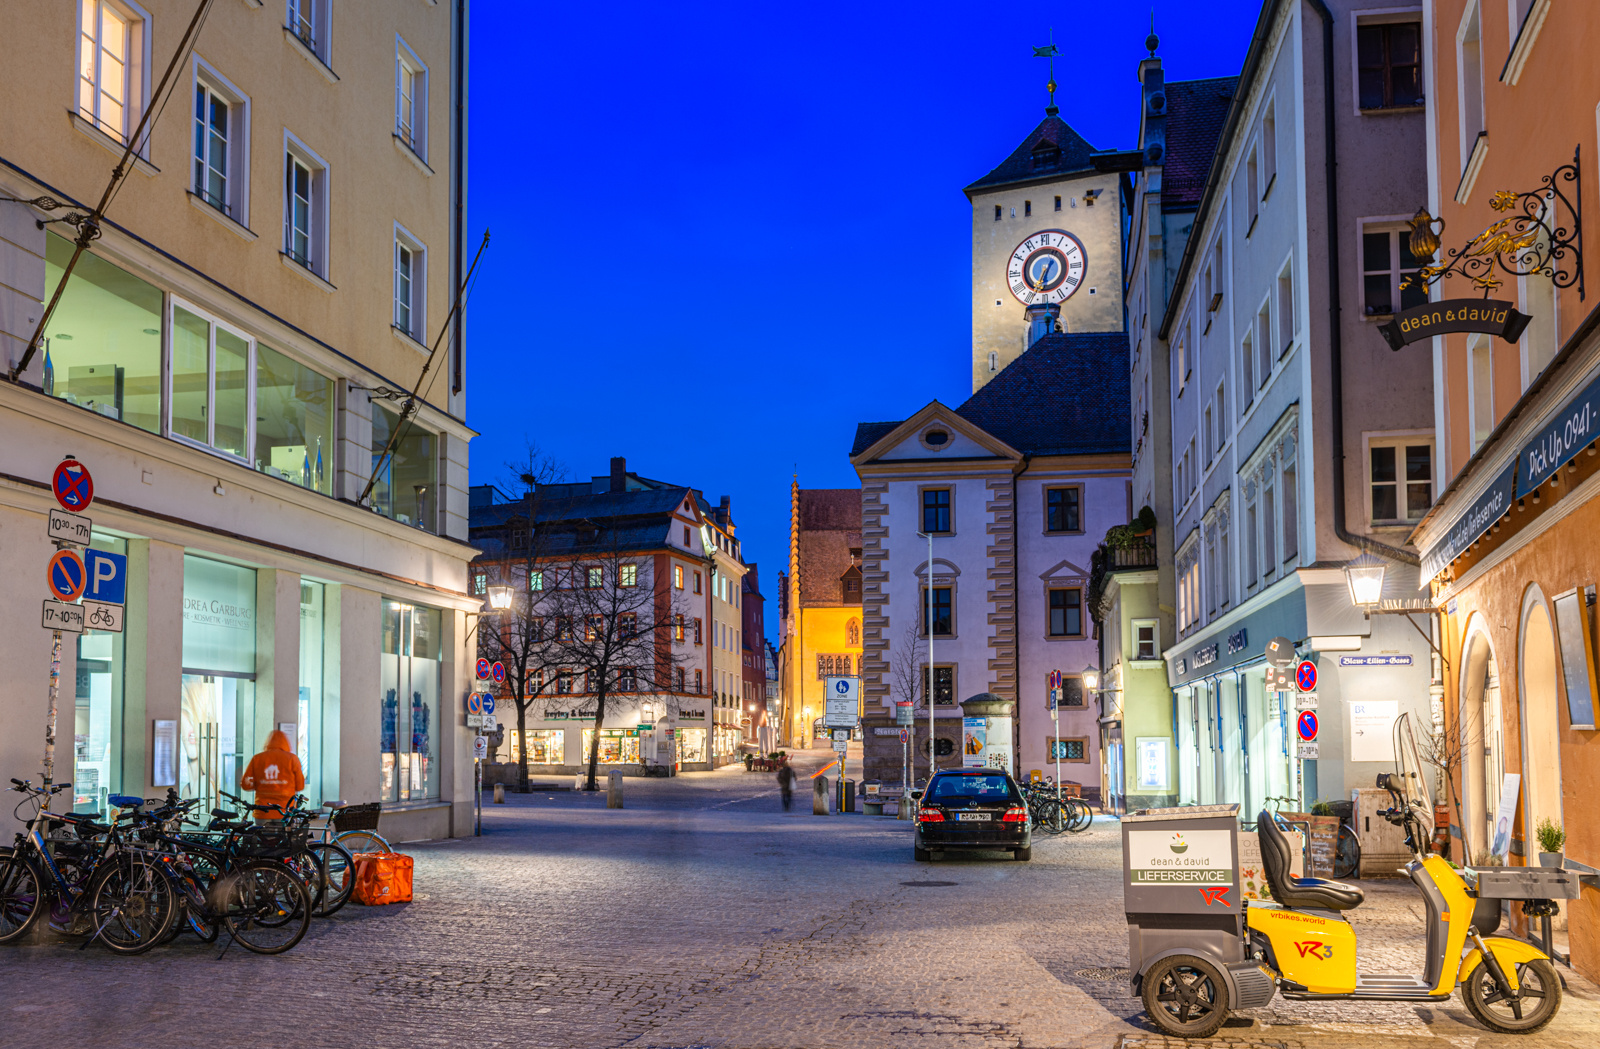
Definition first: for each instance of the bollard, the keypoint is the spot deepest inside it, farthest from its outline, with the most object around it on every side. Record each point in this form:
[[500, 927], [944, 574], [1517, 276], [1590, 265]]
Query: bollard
[[613, 790], [819, 796], [904, 812], [499, 793]]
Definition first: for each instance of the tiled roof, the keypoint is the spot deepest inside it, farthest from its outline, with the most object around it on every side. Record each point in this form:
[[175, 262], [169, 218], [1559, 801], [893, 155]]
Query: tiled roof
[[830, 509], [631, 520], [1067, 395], [1196, 111], [1052, 149]]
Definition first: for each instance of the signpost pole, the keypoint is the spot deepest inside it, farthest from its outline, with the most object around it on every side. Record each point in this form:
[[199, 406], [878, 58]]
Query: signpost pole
[[50, 716], [477, 769]]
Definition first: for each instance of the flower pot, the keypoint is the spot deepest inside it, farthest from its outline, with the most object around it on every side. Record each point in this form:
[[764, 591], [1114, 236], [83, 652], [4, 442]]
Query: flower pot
[[1550, 859]]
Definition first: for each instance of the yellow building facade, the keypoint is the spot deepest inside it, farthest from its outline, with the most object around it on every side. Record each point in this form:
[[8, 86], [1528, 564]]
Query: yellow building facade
[[820, 603]]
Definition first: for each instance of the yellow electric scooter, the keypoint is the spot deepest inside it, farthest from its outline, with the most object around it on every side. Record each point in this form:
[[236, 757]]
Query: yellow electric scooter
[[1301, 944]]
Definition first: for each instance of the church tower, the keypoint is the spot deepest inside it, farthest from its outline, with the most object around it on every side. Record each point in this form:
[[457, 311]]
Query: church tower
[[1045, 229]]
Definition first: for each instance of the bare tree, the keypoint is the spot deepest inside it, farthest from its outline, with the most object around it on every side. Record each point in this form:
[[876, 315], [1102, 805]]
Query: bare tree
[[907, 677], [1445, 748], [613, 629]]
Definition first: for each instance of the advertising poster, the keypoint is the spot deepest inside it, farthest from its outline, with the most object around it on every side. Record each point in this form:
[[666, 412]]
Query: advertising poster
[[1152, 767], [1506, 813], [1197, 857], [1372, 729], [974, 738]]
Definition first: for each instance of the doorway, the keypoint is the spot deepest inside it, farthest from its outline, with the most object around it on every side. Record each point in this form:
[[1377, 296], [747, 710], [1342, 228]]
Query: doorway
[[1540, 718], [1478, 735]]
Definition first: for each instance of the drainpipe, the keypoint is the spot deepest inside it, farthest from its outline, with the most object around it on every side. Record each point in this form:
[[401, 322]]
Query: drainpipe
[[1335, 334]]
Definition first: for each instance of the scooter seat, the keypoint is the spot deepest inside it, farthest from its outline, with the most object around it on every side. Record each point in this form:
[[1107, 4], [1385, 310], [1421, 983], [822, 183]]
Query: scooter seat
[[1290, 891]]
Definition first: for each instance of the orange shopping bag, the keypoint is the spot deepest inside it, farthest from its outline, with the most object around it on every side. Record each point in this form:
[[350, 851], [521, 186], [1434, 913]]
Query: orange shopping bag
[[382, 877]]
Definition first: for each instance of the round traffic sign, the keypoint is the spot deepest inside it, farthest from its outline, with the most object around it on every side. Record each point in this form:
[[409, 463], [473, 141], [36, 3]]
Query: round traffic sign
[[66, 575], [488, 701], [483, 670], [73, 487], [842, 687], [1307, 725], [1305, 676], [498, 671], [475, 703], [905, 737]]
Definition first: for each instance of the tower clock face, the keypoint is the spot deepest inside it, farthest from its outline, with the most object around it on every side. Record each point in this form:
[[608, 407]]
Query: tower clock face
[[1047, 267]]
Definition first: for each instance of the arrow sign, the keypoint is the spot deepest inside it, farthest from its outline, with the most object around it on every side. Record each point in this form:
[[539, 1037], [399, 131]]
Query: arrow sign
[[1305, 676], [488, 700], [73, 487], [66, 575], [1306, 726]]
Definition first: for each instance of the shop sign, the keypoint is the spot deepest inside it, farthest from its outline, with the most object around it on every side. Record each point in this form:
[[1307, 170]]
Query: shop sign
[[1238, 640], [1205, 655], [556, 715], [1375, 661], [1485, 511], [692, 715], [1490, 316], [1569, 431]]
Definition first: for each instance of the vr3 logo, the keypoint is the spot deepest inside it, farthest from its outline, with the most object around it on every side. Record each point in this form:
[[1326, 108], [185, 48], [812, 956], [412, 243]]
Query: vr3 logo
[[1314, 949]]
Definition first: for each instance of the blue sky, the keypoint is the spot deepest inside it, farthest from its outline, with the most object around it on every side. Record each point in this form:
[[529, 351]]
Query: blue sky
[[723, 234]]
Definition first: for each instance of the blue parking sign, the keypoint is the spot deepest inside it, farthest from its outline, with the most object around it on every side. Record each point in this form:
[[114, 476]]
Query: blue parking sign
[[107, 577]]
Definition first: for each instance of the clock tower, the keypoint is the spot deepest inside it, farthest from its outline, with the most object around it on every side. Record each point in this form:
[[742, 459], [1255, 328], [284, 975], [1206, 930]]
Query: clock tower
[[1045, 231]]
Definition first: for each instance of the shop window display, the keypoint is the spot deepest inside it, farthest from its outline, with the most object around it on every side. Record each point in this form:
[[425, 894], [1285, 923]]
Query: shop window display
[[618, 746], [217, 706], [97, 709], [545, 746], [103, 347], [406, 482], [410, 676], [310, 743], [692, 744], [294, 422]]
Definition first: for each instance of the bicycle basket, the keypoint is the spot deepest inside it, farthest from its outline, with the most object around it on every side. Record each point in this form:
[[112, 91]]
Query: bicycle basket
[[273, 842], [357, 817]]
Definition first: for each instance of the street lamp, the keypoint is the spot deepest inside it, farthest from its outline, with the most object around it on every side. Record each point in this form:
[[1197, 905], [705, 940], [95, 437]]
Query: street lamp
[[500, 597], [1364, 577], [930, 686], [1091, 678]]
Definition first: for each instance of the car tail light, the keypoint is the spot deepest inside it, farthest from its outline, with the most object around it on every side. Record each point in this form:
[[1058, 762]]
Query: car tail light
[[930, 816], [1015, 814]]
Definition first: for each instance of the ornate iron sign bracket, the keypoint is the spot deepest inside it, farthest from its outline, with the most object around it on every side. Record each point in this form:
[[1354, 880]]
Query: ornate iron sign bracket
[[1542, 234]]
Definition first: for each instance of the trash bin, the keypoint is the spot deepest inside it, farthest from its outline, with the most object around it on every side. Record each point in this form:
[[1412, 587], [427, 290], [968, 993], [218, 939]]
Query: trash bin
[[847, 795], [1180, 877]]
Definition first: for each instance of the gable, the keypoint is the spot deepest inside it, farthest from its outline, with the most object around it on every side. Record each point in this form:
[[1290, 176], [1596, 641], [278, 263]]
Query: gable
[[910, 440], [1064, 574]]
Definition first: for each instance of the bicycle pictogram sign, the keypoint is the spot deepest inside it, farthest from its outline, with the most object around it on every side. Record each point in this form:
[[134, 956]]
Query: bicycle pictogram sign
[[66, 575], [73, 486], [1305, 676]]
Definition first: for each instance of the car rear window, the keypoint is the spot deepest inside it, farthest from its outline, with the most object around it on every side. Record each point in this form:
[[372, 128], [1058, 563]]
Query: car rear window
[[989, 786]]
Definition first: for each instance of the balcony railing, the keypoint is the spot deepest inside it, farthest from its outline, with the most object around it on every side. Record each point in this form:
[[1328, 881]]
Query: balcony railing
[[1140, 555]]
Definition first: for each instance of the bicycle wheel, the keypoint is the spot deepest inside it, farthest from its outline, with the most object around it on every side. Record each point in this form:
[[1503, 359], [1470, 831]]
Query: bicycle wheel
[[1052, 817], [266, 907], [359, 841], [21, 895], [337, 877], [1347, 859], [1081, 816], [133, 904]]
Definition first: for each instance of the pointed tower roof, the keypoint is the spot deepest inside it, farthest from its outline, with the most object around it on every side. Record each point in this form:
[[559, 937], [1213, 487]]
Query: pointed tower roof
[[1050, 151]]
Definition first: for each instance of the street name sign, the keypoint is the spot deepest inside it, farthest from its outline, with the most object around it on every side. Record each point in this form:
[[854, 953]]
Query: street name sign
[[69, 528], [98, 615], [60, 616]]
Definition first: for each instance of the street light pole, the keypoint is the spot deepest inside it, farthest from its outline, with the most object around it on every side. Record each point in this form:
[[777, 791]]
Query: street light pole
[[930, 686]]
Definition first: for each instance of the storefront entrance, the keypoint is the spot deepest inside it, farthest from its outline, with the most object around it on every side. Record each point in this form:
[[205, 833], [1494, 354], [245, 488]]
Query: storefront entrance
[[410, 674], [1479, 736], [1540, 717], [217, 714]]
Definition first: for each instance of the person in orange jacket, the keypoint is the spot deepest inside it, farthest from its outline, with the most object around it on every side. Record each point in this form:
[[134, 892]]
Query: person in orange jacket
[[274, 774]]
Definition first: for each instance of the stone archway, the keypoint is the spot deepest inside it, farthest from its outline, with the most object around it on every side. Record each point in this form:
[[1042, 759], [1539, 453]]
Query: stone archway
[[1539, 716], [1477, 734]]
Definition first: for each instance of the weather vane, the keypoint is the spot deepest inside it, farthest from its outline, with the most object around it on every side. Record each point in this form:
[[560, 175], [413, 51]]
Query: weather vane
[[1049, 51]]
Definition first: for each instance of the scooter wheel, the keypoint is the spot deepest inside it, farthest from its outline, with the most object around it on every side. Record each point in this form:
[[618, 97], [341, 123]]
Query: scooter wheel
[[1540, 997], [1185, 996]]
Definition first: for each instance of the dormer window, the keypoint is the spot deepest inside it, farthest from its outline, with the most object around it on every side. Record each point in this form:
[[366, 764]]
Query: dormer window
[[1046, 155], [936, 438]]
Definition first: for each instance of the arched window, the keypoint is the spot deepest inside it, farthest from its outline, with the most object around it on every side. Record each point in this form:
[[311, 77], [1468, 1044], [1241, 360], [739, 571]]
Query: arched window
[[852, 632]]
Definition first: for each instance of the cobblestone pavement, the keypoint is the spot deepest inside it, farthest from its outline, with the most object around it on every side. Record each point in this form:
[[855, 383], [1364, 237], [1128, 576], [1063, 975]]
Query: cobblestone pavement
[[704, 916]]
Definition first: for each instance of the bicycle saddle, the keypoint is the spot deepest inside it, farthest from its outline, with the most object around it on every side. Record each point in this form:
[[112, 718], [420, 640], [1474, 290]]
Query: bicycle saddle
[[335, 805], [1318, 893], [125, 801]]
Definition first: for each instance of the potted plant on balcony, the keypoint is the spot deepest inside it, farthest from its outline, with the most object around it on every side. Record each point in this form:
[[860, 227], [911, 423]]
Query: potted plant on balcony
[[1551, 840]]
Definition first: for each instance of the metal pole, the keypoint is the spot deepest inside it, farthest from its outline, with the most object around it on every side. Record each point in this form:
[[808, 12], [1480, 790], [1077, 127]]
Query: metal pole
[[477, 768], [50, 716], [1055, 716], [932, 676]]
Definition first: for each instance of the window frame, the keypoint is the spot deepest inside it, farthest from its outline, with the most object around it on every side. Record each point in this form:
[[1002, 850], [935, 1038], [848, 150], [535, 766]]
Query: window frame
[[1399, 441], [319, 182], [406, 61], [320, 24], [1047, 490], [175, 303], [1395, 227], [923, 617], [1378, 19], [922, 508], [1135, 626], [1050, 749], [136, 72], [236, 198], [1066, 608], [677, 577], [1285, 320], [417, 304], [628, 575], [925, 678]]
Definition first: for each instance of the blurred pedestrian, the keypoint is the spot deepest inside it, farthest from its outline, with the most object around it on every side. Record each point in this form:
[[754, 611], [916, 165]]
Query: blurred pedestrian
[[274, 774], [786, 784]]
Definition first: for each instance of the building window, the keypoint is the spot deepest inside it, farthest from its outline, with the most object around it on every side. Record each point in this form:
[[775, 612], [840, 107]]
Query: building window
[[308, 21], [535, 580], [1252, 189], [1062, 509], [480, 584], [1469, 68], [294, 421], [696, 583], [628, 575], [1269, 149], [943, 611], [944, 684], [412, 662], [628, 625], [210, 383], [1286, 309], [677, 576], [1264, 343], [1058, 203], [411, 99], [112, 67], [536, 633], [1066, 612], [595, 578], [1386, 265], [1480, 389], [1397, 498], [1067, 749], [410, 272], [628, 680], [699, 635], [840, 665], [1027, 208], [407, 480], [935, 511], [1247, 387], [677, 627], [997, 213], [677, 679], [1146, 644], [1389, 57], [1290, 498], [699, 683], [221, 144], [305, 209]]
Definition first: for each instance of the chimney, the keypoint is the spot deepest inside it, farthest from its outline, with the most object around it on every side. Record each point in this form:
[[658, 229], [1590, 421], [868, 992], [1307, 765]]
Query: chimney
[[619, 474], [1043, 319]]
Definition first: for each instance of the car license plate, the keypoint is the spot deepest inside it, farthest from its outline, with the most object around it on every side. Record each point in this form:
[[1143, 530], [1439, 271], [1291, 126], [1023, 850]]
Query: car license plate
[[972, 815]]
